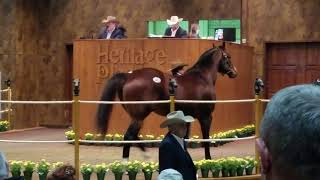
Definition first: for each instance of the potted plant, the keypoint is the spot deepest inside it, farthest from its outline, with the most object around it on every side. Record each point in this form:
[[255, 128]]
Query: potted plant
[[251, 164], [240, 132], [241, 165], [205, 166], [89, 137], [221, 135], [148, 168], [4, 125], [118, 137], [197, 165], [57, 164], [101, 170], [194, 144], [133, 167], [215, 168], [97, 137], [157, 144], [149, 137], [43, 168], [29, 167], [86, 171], [15, 168], [232, 166], [117, 169], [225, 167], [214, 143], [109, 137], [70, 135]]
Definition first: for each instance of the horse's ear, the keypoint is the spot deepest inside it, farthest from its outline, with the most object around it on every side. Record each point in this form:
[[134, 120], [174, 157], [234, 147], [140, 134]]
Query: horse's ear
[[223, 46], [213, 46]]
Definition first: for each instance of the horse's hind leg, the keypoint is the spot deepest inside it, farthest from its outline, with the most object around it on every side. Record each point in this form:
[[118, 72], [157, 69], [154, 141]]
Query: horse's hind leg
[[205, 123], [132, 134]]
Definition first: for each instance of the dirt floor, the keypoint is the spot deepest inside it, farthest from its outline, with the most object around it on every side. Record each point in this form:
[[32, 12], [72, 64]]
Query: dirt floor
[[64, 152]]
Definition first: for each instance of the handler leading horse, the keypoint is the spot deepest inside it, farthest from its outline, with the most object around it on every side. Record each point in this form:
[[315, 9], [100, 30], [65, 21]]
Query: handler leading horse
[[148, 84]]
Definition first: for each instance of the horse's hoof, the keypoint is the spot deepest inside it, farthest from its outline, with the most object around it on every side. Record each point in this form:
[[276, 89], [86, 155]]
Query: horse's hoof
[[125, 160]]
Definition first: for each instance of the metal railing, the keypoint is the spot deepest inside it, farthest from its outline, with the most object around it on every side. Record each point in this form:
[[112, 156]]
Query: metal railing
[[257, 101]]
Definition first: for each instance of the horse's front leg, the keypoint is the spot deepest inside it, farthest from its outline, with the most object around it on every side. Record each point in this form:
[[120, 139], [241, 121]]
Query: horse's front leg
[[205, 123]]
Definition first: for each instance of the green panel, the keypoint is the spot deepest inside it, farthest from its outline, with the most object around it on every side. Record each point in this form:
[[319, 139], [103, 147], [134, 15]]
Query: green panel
[[212, 24], [230, 23], [203, 26], [159, 27], [238, 34], [150, 27], [185, 25]]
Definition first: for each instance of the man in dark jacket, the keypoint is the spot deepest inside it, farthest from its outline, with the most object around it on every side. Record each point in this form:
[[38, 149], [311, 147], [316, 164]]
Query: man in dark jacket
[[112, 30], [173, 153], [174, 29]]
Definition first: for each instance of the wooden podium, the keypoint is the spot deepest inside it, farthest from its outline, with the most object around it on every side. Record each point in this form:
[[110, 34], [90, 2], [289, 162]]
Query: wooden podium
[[97, 60]]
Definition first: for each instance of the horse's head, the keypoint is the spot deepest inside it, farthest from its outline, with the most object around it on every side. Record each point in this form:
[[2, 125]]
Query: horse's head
[[225, 65]]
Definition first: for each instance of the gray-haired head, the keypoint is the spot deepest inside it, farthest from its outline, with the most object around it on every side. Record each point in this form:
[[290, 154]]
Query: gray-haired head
[[290, 130], [170, 174]]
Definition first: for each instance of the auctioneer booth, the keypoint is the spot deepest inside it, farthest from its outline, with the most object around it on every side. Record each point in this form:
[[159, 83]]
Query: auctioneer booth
[[94, 61]]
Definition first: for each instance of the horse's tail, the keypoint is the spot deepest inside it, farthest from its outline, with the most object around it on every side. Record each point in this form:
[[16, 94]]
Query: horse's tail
[[113, 86]]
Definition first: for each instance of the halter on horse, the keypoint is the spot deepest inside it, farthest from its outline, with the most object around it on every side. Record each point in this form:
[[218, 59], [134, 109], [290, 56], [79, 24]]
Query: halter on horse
[[197, 83]]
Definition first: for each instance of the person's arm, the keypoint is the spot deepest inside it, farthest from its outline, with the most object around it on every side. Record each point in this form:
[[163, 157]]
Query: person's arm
[[184, 34], [166, 157], [101, 33], [167, 32], [120, 33]]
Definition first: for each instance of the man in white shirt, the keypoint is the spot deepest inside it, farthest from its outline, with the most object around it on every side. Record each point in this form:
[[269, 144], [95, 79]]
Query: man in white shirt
[[174, 29]]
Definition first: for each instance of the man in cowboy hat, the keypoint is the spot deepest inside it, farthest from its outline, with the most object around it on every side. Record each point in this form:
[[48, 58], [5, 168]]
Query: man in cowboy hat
[[177, 68], [174, 29], [173, 153], [112, 30]]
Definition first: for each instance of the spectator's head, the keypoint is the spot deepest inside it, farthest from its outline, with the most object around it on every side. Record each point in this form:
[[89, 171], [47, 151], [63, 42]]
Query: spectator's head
[[4, 170], [194, 29], [65, 172], [110, 23], [290, 140], [177, 123], [170, 174], [174, 22]]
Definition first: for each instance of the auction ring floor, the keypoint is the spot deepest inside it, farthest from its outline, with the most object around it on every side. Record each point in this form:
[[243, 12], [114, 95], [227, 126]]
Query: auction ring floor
[[64, 152]]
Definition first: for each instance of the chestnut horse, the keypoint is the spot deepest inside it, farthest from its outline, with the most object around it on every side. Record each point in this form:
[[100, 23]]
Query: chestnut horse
[[148, 84]]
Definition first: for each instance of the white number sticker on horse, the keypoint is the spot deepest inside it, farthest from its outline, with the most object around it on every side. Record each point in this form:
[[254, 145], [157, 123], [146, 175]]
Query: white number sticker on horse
[[156, 80]]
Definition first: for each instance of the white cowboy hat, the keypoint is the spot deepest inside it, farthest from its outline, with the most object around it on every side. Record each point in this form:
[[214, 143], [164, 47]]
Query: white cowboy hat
[[176, 117], [174, 20], [109, 19]]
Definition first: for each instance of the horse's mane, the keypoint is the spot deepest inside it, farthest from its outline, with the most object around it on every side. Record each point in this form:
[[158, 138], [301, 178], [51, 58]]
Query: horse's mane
[[203, 61]]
